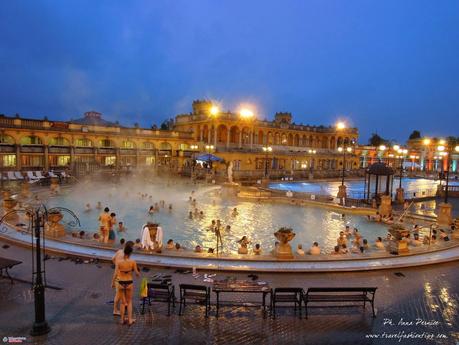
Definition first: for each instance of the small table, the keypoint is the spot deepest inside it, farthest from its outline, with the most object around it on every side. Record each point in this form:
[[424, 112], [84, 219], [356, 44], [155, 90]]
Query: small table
[[6, 264], [241, 286]]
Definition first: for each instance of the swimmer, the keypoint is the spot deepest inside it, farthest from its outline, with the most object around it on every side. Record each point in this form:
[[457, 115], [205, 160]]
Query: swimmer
[[99, 205], [87, 208], [170, 207], [151, 210], [235, 212], [190, 215], [121, 227]]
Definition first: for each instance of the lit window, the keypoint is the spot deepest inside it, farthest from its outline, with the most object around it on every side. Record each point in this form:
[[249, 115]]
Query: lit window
[[83, 142], [6, 139], [63, 161], [105, 143], [128, 144], [31, 140], [110, 160], [59, 142], [9, 160]]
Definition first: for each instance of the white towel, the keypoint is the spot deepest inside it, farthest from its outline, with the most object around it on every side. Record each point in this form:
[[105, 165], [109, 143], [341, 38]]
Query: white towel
[[145, 239], [159, 236]]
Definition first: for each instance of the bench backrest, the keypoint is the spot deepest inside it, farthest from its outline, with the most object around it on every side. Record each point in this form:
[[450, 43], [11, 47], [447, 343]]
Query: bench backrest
[[154, 286], [288, 290], [194, 287], [342, 289]]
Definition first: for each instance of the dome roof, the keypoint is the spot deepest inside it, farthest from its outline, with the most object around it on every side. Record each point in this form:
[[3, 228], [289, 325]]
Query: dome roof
[[380, 168]]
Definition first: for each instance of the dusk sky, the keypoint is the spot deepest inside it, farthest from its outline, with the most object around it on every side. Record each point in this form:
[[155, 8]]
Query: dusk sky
[[386, 66]]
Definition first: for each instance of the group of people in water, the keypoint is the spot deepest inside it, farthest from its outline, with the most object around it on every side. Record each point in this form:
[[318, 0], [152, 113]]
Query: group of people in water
[[151, 234]]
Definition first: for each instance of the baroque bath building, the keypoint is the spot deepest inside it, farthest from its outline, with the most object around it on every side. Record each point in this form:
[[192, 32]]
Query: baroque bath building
[[91, 143]]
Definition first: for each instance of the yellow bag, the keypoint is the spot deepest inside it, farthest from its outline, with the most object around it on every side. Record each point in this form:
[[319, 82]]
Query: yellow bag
[[144, 288]]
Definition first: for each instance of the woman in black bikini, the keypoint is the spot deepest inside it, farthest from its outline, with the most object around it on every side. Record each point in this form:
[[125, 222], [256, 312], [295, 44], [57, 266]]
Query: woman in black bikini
[[123, 272]]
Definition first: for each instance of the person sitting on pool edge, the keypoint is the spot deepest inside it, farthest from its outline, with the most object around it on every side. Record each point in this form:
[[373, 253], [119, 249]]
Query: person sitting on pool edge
[[257, 249], [335, 251], [315, 249], [416, 242], [300, 250], [170, 244]]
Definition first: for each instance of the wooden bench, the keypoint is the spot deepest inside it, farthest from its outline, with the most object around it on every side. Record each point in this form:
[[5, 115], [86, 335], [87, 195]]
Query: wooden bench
[[287, 295], [6, 264], [199, 294], [354, 295], [160, 293]]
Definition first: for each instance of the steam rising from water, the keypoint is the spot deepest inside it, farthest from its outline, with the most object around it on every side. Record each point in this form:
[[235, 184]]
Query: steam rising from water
[[256, 220]]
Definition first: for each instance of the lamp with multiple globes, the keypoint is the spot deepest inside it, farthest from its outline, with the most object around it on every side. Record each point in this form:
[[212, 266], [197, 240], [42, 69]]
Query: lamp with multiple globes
[[267, 150]]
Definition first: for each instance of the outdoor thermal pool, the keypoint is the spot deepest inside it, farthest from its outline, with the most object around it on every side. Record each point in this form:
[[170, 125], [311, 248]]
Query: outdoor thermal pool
[[257, 220]]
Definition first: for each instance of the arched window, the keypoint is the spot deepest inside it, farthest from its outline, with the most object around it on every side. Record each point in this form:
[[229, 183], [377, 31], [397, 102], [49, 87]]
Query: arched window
[[106, 143], [127, 144], [165, 147], [31, 140], [6, 139], [59, 141], [148, 146], [83, 142]]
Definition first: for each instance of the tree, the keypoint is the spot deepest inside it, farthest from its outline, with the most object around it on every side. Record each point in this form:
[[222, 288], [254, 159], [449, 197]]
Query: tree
[[376, 140], [415, 135]]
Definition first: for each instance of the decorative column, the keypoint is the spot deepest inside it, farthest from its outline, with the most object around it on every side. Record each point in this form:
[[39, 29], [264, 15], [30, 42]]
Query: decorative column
[[118, 156], [18, 157], [445, 214], [46, 150], [227, 138], [215, 137], [137, 157], [72, 158], [385, 208], [201, 132], [240, 138]]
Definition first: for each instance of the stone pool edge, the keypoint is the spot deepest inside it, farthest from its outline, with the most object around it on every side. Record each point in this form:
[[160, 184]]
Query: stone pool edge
[[236, 264]]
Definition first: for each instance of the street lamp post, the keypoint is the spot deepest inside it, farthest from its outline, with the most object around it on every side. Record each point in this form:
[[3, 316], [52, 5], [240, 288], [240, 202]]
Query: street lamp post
[[267, 150], [209, 149], [400, 193], [311, 165], [446, 153], [342, 189], [445, 209], [38, 217], [40, 326]]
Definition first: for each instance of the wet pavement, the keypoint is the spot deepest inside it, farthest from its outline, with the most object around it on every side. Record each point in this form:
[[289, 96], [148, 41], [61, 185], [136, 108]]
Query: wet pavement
[[80, 311]]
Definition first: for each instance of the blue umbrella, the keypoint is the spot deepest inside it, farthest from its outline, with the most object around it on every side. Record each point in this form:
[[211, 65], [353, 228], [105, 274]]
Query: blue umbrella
[[208, 157]]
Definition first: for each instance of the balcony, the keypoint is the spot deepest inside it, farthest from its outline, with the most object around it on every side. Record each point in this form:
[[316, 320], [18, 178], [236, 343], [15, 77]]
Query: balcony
[[84, 150], [59, 149], [7, 148], [32, 149]]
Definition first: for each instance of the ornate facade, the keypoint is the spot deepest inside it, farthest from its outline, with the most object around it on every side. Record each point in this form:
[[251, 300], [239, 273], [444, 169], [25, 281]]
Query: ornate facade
[[294, 147], [91, 142]]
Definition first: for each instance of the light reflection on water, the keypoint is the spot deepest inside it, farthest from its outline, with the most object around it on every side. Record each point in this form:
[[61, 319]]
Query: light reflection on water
[[356, 187], [256, 220]]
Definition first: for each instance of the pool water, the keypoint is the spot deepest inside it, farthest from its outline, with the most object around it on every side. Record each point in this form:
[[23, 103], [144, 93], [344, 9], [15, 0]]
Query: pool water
[[256, 220], [355, 188]]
